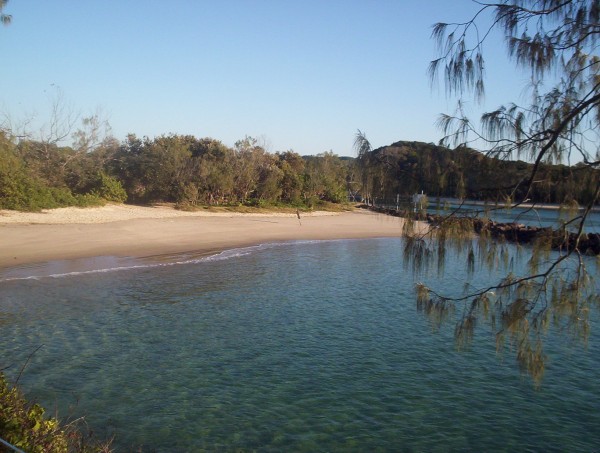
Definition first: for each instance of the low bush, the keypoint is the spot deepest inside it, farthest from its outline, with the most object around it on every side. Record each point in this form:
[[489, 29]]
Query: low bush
[[110, 189], [24, 425]]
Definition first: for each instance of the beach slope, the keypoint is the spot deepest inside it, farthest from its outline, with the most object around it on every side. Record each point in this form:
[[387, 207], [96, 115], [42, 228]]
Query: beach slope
[[135, 231]]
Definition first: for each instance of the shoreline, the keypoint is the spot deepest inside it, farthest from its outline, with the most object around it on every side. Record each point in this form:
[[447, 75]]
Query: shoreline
[[523, 205], [133, 232]]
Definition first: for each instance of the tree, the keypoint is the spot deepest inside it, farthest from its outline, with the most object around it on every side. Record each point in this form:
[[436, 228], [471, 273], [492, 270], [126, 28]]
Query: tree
[[247, 156], [269, 188], [325, 179], [292, 166], [217, 173], [556, 40], [152, 170], [363, 148]]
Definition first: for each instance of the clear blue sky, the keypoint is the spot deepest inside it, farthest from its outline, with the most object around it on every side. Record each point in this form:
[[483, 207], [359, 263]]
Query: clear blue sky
[[303, 75]]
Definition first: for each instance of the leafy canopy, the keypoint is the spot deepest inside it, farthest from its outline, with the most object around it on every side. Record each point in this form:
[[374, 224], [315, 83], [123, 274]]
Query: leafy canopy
[[556, 41]]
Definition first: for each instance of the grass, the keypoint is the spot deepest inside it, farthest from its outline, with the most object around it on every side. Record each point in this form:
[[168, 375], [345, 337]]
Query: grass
[[270, 208]]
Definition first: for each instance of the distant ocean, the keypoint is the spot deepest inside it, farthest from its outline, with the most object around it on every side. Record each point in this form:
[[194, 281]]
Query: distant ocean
[[302, 346]]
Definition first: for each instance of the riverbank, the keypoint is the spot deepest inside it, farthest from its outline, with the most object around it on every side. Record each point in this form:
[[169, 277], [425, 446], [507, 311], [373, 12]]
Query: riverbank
[[136, 231]]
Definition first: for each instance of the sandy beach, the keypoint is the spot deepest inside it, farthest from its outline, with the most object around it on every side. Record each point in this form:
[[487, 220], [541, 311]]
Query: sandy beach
[[139, 232]]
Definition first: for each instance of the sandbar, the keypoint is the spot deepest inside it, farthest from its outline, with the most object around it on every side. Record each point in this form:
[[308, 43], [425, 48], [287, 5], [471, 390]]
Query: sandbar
[[140, 232]]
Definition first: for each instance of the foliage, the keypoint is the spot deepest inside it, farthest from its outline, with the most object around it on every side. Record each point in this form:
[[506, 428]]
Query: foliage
[[110, 189], [190, 172], [181, 169], [25, 426], [406, 168], [366, 166], [325, 178], [556, 41], [4, 18]]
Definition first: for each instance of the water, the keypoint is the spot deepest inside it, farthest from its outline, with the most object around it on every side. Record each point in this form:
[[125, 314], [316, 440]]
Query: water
[[544, 216], [550, 216], [310, 346]]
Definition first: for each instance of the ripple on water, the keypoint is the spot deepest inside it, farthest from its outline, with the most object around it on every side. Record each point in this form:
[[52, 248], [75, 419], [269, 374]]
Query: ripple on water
[[303, 347]]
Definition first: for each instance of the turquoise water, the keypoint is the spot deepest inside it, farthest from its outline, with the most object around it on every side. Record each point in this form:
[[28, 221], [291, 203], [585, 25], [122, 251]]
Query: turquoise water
[[310, 346]]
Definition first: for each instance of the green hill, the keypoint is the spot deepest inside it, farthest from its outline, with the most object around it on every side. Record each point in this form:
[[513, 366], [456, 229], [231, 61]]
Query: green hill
[[408, 167]]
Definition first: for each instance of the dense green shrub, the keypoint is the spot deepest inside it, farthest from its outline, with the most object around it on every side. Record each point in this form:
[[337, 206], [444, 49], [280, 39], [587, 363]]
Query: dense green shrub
[[88, 200], [335, 194], [110, 189], [24, 425], [28, 195]]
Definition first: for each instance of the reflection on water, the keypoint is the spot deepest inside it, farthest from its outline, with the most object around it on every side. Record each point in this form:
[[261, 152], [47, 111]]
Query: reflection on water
[[298, 347]]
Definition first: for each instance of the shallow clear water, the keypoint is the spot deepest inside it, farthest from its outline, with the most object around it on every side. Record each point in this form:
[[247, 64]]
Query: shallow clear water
[[292, 347]]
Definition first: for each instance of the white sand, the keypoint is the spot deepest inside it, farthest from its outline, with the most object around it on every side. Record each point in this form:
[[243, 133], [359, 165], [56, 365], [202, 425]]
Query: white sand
[[117, 212], [124, 230]]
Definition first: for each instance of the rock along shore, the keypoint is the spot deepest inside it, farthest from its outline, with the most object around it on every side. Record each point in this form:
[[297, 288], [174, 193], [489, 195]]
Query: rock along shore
[[589, 243]]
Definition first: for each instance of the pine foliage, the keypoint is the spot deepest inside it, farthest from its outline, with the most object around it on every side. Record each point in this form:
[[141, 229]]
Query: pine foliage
[[556, 42]]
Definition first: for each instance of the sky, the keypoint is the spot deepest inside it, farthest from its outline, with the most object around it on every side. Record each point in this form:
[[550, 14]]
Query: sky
[[297, 75]]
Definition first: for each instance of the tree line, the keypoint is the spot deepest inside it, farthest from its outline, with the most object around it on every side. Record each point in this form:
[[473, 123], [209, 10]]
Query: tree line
[[409, 167], [183, 169], [190, 171]]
